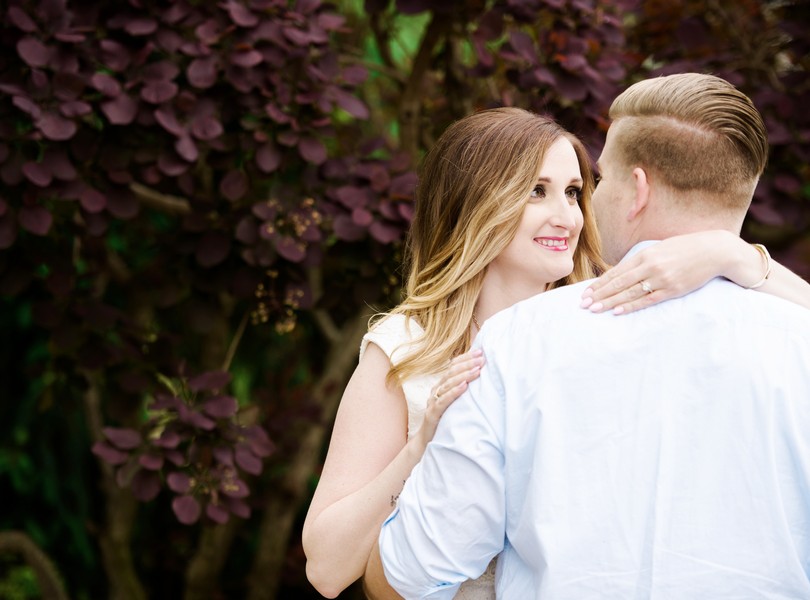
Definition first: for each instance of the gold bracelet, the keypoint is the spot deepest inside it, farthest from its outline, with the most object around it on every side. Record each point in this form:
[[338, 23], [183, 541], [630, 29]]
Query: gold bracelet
[[764, 252]]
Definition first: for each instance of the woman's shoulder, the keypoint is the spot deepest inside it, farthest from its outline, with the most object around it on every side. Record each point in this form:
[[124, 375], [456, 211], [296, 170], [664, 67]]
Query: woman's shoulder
[[391, 332]]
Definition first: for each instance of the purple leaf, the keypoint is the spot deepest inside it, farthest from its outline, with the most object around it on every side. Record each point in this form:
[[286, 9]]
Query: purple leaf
[[385, 234], [145, 485], [178, 482], [260, 443], [108, 454], [123, 438], [268, 157], [25, 104], [330, 22], [200, 421], [176, 457], [235, 488], [247, 461], [287, 247], [167, 119], [168, 439], [206, 128], [571, 87], [212, 248], [296, 36], [354, 75], [221, 407], [33, 52], [187, 509], [217, 513], [347, 230], [162, 70], [209, 381], [234, 185], [523, 44], [362, 217], [8, 231], [352, 196], [247, 58], [275, 113], [247, 231], [157, 92], [241, 15], [312, 150], [121, 110], [106, 84], [75, 108], [351, 104], [237, 507], [114, 55], [202, 72], [186, 148], [92, 200], [224, 455], [36, 219], [37, 173], [55, 127], [20, 19], [67, 86], [141, 26], [403, 186], [122, 204], [152, 462], [171, 164]]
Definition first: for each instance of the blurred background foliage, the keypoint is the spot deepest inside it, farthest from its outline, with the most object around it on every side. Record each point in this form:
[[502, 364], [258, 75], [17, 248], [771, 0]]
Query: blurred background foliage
[[202, 203]]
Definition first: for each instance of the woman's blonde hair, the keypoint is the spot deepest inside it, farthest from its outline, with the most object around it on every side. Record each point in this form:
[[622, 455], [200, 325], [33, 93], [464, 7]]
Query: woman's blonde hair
[[473, 186]]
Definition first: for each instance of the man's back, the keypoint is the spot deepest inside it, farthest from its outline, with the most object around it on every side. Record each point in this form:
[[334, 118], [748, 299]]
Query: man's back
[[664, 454], [659, 455]]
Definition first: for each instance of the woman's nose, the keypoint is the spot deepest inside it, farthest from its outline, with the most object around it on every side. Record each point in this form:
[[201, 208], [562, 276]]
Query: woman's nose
[[564, 215]]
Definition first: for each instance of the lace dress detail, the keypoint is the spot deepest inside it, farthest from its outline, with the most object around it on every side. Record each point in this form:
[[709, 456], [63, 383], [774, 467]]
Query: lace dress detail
[[396, 335]]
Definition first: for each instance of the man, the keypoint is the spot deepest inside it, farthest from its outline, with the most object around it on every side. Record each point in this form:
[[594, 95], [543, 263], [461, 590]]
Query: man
[[663, 454]]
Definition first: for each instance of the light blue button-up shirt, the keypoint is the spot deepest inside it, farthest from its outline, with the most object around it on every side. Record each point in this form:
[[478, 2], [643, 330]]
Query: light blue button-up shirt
[[659, 455]]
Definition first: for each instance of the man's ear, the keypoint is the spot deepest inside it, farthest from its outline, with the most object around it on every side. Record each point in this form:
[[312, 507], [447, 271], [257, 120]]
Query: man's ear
[[642, 197]]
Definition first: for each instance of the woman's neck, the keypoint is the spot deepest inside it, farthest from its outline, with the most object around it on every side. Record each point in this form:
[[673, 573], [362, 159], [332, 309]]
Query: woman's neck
[[497, 295]]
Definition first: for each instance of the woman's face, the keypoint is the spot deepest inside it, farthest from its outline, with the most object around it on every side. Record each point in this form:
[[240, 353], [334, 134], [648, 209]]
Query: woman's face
[[542, 250]]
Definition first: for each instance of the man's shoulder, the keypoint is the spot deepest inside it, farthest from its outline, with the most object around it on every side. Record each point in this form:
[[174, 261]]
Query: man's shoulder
[[558, 304]]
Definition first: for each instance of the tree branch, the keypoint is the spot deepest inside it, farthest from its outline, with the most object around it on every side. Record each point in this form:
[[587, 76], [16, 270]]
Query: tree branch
[[411, 103], [50, 583], [165, 203]]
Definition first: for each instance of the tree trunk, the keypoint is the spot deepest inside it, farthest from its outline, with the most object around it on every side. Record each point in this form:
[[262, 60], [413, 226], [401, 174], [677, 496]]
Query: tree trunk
[[120, 509], [202, 573], [280, 512]]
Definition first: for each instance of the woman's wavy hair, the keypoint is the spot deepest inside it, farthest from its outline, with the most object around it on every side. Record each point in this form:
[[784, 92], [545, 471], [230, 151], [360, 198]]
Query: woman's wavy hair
[[473, 186]]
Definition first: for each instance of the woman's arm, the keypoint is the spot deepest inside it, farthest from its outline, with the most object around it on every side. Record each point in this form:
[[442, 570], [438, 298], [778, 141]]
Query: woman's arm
[[366, 465], [678, 265]]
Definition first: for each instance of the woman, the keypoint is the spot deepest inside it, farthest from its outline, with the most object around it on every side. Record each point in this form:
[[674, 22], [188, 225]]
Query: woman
[[502, 213]]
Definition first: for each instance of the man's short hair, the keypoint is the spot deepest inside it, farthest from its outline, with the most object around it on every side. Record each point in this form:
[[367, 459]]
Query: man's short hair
[[696, 132]]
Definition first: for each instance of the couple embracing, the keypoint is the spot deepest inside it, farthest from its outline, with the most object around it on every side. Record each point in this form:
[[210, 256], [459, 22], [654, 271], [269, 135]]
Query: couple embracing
[[584, 453]]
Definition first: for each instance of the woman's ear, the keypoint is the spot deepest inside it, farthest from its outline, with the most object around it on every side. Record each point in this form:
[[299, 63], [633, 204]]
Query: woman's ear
[[642, 196]]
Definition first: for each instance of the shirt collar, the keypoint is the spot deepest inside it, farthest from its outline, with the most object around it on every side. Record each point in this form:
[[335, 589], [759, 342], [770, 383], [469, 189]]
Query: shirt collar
[[639, 247]]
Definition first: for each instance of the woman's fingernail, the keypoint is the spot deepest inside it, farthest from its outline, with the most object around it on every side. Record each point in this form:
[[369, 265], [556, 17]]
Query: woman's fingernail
[[596, 307], [587, 292], [586, 302], [618, 310]]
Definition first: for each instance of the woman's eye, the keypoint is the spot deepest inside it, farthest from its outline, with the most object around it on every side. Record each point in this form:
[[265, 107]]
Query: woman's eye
[[539, 191], [597, 179], [574, 193]]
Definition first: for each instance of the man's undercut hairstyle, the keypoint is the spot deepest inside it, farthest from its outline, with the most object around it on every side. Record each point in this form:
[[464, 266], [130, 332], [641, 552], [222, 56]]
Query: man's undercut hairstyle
[[696, 132]]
